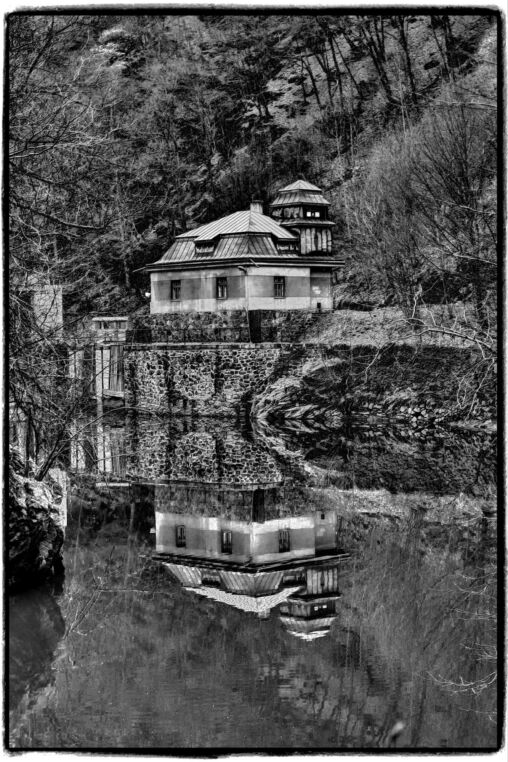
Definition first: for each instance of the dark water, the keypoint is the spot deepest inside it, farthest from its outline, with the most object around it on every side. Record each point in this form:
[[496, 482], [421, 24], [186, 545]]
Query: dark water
[[225, 589]]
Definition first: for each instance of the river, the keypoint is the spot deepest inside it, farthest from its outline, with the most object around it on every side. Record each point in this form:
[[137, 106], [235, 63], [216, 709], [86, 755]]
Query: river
[[231, 588]]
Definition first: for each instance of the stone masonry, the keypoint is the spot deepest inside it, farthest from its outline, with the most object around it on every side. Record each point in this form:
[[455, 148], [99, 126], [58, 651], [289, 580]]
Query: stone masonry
[[228, 326], [205, 379]]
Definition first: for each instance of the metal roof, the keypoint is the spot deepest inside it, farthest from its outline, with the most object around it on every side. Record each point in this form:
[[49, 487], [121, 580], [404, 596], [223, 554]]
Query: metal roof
[[288, 198], [314, 261], [309, 221], [300, 185], [238, 222], [241, 234], [300, 192], [229, 247]]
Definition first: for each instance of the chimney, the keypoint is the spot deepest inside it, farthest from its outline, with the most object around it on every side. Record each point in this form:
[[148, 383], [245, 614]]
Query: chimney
[[256, 206]]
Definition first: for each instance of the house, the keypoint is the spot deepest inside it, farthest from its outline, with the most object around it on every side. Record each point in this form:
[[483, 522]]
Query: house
[[252, 261]]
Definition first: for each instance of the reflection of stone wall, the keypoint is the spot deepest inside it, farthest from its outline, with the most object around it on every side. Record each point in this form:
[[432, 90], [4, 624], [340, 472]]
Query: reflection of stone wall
[[154, 450], [205, 379], [246, 503]]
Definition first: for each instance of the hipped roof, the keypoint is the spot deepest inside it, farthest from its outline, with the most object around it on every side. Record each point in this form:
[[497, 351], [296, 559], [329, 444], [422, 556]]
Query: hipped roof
[[247, 234]]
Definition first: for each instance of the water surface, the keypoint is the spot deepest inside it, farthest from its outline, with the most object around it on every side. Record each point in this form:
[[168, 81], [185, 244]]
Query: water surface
[[274, 618]]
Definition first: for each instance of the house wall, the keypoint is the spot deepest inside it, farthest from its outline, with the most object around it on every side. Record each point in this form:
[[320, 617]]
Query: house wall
[[320, 290], [258, 543], [251, 290]]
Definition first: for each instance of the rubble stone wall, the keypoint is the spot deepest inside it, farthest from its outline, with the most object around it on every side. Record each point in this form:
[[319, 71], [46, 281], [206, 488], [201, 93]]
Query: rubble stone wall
[[226, 326], [206, 379]]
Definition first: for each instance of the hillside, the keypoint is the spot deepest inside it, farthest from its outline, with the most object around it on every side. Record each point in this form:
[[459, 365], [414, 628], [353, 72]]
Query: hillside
[[170, 121]]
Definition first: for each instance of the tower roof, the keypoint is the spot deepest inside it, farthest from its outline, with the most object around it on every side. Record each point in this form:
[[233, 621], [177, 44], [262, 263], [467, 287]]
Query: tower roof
[[300, 185], [300, 192]]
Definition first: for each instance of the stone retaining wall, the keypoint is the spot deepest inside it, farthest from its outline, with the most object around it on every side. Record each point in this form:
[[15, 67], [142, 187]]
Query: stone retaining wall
[[225, 326], [206, 379], [295, 380]]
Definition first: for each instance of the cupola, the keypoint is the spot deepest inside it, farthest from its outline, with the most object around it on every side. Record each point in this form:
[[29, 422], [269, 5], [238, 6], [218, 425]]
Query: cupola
[[302, 208]]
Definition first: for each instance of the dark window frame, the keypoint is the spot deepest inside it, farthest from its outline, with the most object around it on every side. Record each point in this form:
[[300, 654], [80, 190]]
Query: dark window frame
[[279, 287], [175, 288], [180, 536], [284, 540], [221, 287], [226, 541]]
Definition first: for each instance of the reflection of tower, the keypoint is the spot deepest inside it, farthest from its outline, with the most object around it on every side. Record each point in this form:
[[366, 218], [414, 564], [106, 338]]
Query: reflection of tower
[[308, 614]]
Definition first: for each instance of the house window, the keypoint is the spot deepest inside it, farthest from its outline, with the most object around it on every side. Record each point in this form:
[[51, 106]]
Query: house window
[[313, 213], [279, 287], [181, 541], [284, 543], [226, 541], [205, 248], [176, 290], [222, 288]]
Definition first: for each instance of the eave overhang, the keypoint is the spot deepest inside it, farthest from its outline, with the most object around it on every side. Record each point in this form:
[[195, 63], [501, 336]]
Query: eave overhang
[[306, 222], [301, 202], [323, 263]]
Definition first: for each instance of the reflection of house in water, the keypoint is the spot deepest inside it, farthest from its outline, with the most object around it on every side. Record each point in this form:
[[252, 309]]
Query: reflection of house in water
[[228, 527], [254, 558], [262, 532]]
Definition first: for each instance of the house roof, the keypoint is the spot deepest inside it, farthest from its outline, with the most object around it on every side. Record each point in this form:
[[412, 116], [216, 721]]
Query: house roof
[[239, 222], [246, 234], [229, 247], [295, 198], [300, 185], [300, 192]]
